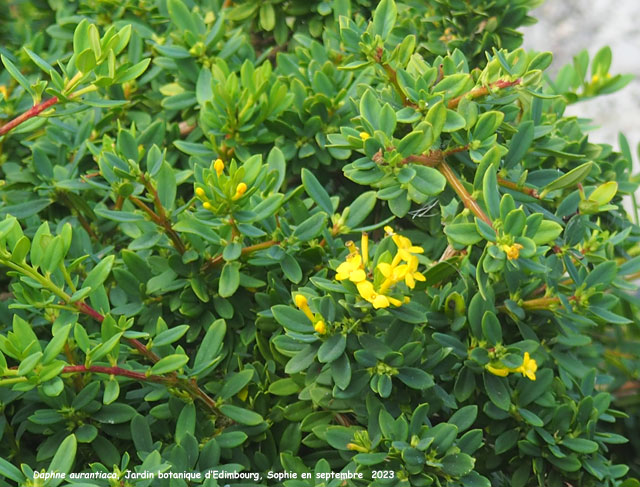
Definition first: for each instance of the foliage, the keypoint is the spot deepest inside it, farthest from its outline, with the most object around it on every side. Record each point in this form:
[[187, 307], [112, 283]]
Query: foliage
[[309, 237]]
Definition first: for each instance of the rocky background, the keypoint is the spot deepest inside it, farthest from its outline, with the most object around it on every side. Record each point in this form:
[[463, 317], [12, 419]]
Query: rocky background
[[565, 27]]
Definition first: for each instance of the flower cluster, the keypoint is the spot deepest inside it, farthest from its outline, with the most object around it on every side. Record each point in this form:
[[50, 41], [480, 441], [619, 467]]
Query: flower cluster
[[402, 268], [527, 369], [225, 184], [512, 251]]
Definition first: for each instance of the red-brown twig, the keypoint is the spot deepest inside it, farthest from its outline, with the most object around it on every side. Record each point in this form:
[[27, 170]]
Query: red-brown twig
[[482, 91], [34, 111]]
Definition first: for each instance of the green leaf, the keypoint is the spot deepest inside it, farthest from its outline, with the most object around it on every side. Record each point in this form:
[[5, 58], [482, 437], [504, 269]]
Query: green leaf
[[360, 209], [86, 61], [384, 18], [487, 124], [332, 348], [17, 75], [38, 61], [63, 459], [181, 16], [464, 417], [292, 319], [186, 424], [316, 191], [166, 180], [569, 179], [10, 471], [99, 273], [491, 328], [497, 390], [242, 416], [415, 142], [267, 207], [169, 363], [415, 378], [491, 193], [169, 336], [141, 434], [29, 363], [531, 418], [546, 232], [519, 144], [56, 344], [229, 279], [437, 117], [116, 413], [267, 17], [311, 227], [428, 181], [231, 439], [458, 464], [211, 344], [370, 109], [453, 121], [463, 233], [81, 36], [602, 274], [284, 387], [236, 383]]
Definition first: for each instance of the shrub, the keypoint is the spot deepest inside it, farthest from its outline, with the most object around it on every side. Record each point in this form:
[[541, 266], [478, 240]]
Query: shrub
[[308, 238]]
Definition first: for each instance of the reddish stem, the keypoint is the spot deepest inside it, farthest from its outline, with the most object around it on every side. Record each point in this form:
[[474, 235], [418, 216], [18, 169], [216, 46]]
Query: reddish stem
[[34, 111], [516, 187], [482, 91], [74, 369], [462, 192]]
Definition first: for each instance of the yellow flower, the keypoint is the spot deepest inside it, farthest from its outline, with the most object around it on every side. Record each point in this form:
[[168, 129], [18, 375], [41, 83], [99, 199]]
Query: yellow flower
[[218, 166], [303, 304], [200, 192], [4, 92], [364, 135], [356, 447], [351, 269], [528, 367], [500, 371], [366, 290], [405, 247], [512, 251], [320, 327], [240, 190], [412, 275], [207, 206]]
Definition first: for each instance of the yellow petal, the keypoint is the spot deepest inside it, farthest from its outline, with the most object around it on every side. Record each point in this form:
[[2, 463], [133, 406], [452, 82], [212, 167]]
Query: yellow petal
[[384, 268], [357, 276], [499, 371], [365, 288], [380, 301]]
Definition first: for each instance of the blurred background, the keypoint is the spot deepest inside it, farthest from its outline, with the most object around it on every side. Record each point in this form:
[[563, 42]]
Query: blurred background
[[565, 27]]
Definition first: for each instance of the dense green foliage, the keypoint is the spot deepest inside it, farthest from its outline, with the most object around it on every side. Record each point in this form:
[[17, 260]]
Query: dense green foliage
[[309, 237]]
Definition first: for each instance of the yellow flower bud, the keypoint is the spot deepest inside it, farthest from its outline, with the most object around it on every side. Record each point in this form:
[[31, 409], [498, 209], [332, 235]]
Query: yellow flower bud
[[218, 166], [207, 206], [364, 135], [200, 192], [4, 92], [301, 301], [320, 327], [240, 190]]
